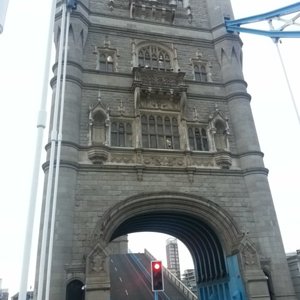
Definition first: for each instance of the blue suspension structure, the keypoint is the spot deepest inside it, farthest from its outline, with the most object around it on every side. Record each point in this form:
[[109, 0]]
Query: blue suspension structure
[[275, 34], [235, 25]]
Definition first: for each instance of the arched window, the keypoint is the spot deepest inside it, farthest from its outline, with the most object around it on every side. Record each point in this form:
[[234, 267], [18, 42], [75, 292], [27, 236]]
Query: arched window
[[220, 136], [98, 129], [160, 132], [197, 73], [75, 290], [106, 62], [154, 58], [121, 134], [198, 139], [203, 73], [200, 72]]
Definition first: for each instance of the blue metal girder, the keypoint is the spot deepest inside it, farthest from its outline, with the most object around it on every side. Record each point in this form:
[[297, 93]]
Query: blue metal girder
[[266, 16], [272, 33], [235, 25]]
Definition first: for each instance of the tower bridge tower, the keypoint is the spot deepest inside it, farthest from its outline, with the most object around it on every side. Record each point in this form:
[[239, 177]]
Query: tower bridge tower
[[158, 135]]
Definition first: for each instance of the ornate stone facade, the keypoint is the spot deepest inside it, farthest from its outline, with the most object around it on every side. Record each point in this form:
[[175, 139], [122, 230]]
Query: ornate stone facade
[[158, 126]]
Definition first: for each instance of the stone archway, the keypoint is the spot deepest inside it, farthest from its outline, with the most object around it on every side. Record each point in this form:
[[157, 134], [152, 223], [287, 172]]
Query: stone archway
[[108, 227], [208, 231]]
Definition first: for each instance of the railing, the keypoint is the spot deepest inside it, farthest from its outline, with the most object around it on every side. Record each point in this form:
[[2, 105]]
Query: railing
[[180, 286]]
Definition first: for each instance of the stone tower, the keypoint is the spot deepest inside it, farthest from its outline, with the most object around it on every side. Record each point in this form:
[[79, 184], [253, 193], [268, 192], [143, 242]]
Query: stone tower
[[159, 136]]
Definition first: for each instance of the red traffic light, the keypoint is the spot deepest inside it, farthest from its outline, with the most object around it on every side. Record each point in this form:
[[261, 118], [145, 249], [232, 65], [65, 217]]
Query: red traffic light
[[157, 276]]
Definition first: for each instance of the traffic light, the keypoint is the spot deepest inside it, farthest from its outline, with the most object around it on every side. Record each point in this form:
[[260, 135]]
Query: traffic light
[[157, 276]]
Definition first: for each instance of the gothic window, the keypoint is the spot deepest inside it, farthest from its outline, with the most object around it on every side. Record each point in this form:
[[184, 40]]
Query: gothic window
[[154, 58], [160, 132], [75, 290], [198, 139], [220, 136], [200, 73], [106, 62], [121, 134], [98, 129]]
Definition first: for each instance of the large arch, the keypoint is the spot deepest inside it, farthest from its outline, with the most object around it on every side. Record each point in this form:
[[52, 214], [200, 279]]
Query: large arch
[[149, 211], [208, 231]]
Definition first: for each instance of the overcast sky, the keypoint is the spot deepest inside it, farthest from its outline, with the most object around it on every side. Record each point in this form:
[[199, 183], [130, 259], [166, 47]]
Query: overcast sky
[[22, 58]]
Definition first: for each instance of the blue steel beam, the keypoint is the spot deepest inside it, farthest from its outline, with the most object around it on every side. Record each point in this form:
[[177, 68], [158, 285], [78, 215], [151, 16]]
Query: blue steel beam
[[235, 25], [276, 34], [266, 16]]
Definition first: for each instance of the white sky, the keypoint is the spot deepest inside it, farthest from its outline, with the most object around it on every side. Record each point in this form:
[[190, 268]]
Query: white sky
[[22, 50]]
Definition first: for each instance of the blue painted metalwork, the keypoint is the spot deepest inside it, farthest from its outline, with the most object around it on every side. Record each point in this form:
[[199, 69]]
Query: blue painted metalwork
[[235, 25], [215, 291], [236, 286], [230, 287], [277, 34]]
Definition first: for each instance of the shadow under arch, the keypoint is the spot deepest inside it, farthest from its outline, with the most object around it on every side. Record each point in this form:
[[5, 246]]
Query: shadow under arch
[[127, 217]]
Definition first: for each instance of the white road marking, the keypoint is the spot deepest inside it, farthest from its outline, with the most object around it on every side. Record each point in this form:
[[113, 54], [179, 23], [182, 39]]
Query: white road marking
[[120, 279], [126, 292]]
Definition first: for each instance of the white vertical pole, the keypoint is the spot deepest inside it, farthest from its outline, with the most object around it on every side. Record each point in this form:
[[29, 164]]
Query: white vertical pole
[[41, 125], [288, 82], [51, 162], [3, 9], [57, 165]]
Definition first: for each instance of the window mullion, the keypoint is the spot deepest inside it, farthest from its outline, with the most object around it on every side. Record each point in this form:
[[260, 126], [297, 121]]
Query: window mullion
[[125, 134], [156, 132], [148, 131], [172, 133], [164, 132]]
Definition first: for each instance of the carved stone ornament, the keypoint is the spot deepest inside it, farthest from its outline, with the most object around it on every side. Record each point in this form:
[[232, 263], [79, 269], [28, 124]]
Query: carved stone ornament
[[155, 89], [153, 10], [122, 159], [99, 121], [156, 78], [249, 255], [96, 261], [218, 131], [223, 159], [98, 154], [169, 161]]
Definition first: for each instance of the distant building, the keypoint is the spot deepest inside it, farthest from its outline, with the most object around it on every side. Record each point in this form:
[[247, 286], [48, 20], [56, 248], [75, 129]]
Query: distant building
[[28, 297], [3, 292], [293, 260], [173, 257], [189, 280]]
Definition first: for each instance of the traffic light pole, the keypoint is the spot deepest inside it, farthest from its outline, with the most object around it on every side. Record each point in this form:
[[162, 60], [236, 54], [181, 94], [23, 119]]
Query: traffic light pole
[[155, 295]]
